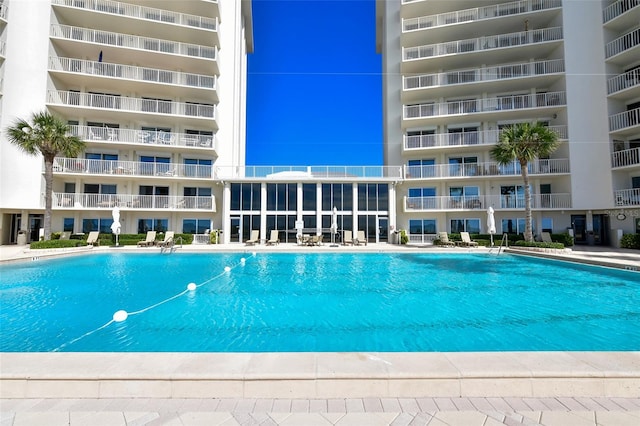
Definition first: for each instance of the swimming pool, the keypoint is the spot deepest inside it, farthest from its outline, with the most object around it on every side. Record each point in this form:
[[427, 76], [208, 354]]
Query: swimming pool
[[279, 302]]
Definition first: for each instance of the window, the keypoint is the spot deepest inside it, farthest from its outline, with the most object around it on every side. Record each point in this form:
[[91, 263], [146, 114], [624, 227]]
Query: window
[[463, 136], [373, 197], [90, 188], [203, 138], [102, 225], [67, 224], [469, 225], [104, 100], [159, 225], [421, 138], [309, 200], [467, 197], [547, 224], [155, 165], [156, 105], [195, 226], [422, 198], [337, 195], [198, 109], [197, 198], [463, 166], [422, 226], [194, 167], [99, 163], [155, 196], [516, 226], [245, 196], [512, 196], [282, 196], [421, 168]]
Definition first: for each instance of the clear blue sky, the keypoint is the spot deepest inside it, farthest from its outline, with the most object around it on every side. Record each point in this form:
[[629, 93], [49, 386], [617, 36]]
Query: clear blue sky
[[314, 92]]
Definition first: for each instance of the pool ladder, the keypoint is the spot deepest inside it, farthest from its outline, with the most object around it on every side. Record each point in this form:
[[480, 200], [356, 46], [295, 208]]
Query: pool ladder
[[504, 242]]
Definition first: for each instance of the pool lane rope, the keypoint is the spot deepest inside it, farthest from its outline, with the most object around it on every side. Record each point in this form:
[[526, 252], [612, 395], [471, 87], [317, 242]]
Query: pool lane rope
[[122, 315]]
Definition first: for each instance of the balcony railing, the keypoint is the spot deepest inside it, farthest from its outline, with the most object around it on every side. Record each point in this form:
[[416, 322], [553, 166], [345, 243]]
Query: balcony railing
[[618, 8], [142, 12], [142, 137], [482, 43], [624, 119], [3, 47], [3, 11], [133, 42], [503, 103], [623, 81], [309, 172], [478, 14], [619, 45], [483, 137], [130, 168], [526, 69], [482, 202], [124, 103], [135, 202], [537, 167], [627, 157], [627, 197], [153, 75]]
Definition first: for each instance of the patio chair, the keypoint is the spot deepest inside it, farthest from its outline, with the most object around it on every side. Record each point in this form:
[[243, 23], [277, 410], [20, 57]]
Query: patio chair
[[168, 239], [149, 241], [444, 240], [360, 239], [66, 235], [92, 239], [274, 238], [254, 239], [315, 240], [466, 240], [546, 237], [347, 237]]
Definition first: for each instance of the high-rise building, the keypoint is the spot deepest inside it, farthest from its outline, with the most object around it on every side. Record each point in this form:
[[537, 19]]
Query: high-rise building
[[456, 72]]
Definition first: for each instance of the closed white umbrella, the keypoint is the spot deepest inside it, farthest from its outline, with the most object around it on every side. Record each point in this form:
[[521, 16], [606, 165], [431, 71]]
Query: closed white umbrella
[[491, 223], [334, 224], [115, 226]]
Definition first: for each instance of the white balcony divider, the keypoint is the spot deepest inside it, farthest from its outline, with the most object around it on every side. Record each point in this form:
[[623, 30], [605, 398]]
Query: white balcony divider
[[627, 157], [501, 72], [623, 81], [3, 47], [627, 197], [143, 137], [537, 167], [619, 45], [131, 168], [624, 119], [142, 12], [483, 137], [513, 102], [133, 42], [482, 202], [3, 11], [309, 172], [124, 103], [482, 43], [128, 201], [478, 14], [132, 73], [618, 8]]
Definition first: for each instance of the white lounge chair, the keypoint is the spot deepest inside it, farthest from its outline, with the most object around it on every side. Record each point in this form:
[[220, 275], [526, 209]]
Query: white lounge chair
[[92, 239], [466, 240], [168, 239], [347, 237], [444, 239], [149, 241], [254, 239], [360, 239], [546, 237], [274, 238]]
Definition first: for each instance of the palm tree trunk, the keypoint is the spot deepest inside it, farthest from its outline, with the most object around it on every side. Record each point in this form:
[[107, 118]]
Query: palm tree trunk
[[48, 190], [528, 231]]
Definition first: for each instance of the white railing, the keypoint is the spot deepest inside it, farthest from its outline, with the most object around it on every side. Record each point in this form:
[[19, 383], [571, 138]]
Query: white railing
[[309, 172], [627, 197], [482, 43], [105, 69], [133, 42], [503, 103], [142, 137], [627, 157], [623, 81], [482, 202], [3, 11], [478, 14], [618, 8], [3, 47], [128, 201], [483, 137], [624, 119], [124, 103], [536, 167], [142, 12], [619, 45], [506, 71], [131, 168]]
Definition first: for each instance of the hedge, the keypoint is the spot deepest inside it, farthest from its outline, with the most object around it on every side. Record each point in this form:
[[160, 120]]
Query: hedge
[[104, 240], [630, 241]]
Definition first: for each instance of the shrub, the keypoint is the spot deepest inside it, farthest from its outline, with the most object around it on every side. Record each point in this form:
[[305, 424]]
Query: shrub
[[630, 241], [404, 238], [564, 238], [36, 245], [539, 245]]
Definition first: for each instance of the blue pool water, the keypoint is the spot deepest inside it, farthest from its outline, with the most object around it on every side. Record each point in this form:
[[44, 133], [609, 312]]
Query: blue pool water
[[316, 302]]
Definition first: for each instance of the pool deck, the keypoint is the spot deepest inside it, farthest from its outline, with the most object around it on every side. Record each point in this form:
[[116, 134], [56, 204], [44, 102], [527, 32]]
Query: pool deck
[[486, 388]]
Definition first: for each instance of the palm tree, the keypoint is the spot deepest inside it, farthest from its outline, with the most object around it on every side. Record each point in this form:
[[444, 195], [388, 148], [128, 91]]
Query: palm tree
[[524, 142], [48, 136]]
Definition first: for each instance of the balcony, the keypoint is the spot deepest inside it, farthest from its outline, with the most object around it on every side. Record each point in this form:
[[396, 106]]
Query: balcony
[[625, 158], [487, 169], [78, 68], [625, 85], [625, 49], [113, 136], [64, 201], [413, 85], [129, 169], [412, 56], [617, 16], [3, 48], [3, 11], [627, 197], [513, 106], [123, 105], [483, 202], [625, 123], [458, 139], [325, 173]]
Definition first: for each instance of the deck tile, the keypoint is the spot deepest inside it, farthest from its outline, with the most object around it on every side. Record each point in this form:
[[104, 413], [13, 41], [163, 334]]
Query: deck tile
[[390, 405], [568, 418], [409, 405], [354, 405], [336, 405], [263, 405], [499, 404], [463, 404], [372, 405], [517, 404], [481, 404], [300, 406], [281, 405], [445, 404], [318, 406], [571, 404]]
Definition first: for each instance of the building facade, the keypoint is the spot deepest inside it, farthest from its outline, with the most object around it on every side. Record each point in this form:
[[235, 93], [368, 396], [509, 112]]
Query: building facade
[[456, 72]]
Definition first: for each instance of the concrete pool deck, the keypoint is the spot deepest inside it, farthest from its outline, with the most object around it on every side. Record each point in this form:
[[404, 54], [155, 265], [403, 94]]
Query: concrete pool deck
[[549, 388]]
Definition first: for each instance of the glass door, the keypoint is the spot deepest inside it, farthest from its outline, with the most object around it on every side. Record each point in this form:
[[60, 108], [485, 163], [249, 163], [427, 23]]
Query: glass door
[[383, 229], [579, 224]]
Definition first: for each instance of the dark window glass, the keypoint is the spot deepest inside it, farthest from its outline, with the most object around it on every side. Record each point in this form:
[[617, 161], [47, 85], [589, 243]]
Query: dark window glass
[[309, 197], [235, 196]]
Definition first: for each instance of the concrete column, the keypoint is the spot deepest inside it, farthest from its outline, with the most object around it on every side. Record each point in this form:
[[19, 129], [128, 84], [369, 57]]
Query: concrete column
[[355, 209], [226, 213], [392, 207], [318, 207], [263, 210]]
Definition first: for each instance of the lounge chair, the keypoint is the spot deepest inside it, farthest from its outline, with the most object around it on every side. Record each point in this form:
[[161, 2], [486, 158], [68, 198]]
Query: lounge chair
[[546, 237], [149, 241], [254, 239], [315, 240], [168, 239], [92, 239], [360, 239], [66, 235], [274, 239], [444, 240], [466, 240], [347, 238]]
